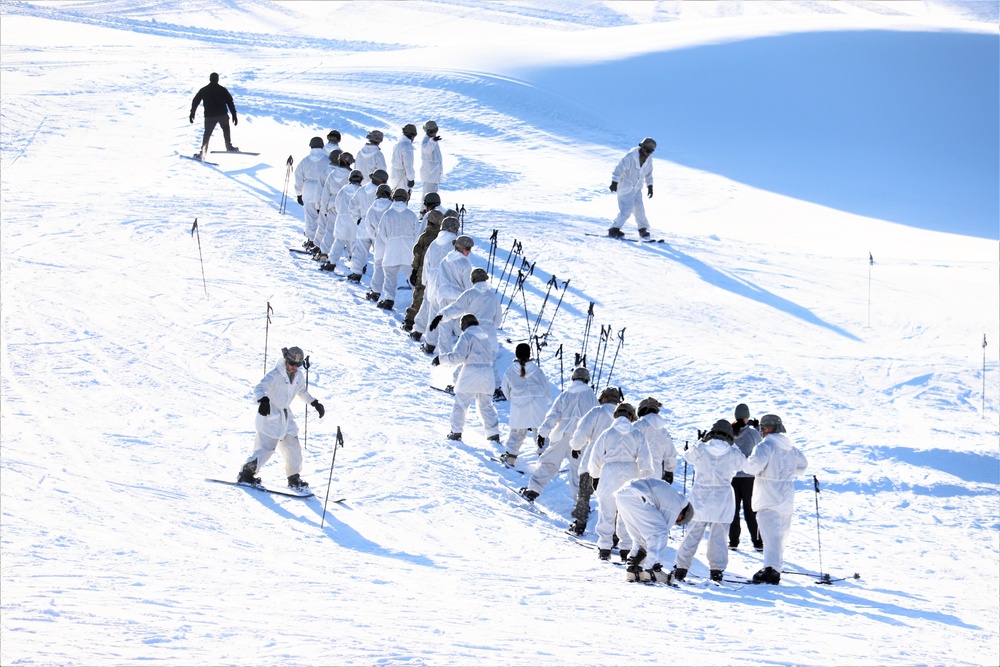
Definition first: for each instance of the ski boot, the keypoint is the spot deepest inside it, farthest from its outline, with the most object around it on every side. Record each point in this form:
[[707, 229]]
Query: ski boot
[[643, 233], [577, 527], [416, 335], [715, 575], [679, 573], [768, 575], [427, 348], [386, 304], [528, 494], [247, 474], [604, 554], [616, 233], [623, 554], [296, 482], [505, 458], [373, 296], [454, 436], [354, 278]]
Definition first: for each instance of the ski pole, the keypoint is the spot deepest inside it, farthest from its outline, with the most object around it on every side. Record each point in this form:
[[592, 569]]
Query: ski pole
[[823, 578], [492, 257], [461, 218], [581, 359], [684, 528], [520, 280], [267, 330], [621, 342], [338, 443], [284, 192], [305, 433], [553, 282], [602, 351], [984, 377], [556, 311], [195, 231], [871, 263], [514, 250], [524, 303], [562, 376]]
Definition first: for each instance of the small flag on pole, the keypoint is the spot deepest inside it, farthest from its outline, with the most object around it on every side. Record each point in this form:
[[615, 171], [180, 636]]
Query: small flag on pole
[[871, 260], [194, 227]]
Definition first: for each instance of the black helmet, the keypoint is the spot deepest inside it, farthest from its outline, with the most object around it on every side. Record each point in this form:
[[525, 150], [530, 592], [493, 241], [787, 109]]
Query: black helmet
[[333, 136], [335, 156], [625, 410], [432, 199], [346, 159], [380, 176], [468, 320], [721, 430], [400, 194], [581, 373], [410, 130], [479, 275], [316, 142], [647, 145], [356, 176], [383, 192]]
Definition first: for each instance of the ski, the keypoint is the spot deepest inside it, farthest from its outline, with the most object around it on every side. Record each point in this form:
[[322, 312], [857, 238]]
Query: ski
[[299, 251], [447, 390], [625, 238], [823, 578], [255, 487], [508, 467], [198, 159], [237, 152]]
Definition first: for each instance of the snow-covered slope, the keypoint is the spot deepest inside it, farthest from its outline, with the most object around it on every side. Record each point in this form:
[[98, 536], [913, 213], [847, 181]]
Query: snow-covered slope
[[126, 377]]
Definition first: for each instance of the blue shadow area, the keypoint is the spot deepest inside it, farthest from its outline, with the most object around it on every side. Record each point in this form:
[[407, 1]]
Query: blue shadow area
[[900, 126], [746, 289], [974, 468]]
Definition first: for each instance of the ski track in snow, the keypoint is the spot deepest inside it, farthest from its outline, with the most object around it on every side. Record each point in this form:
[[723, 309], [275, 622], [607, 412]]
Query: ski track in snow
[[124, 385]]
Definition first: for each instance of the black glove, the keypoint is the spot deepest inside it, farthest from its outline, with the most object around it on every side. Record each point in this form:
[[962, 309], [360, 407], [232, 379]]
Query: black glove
[[409, 184], [436, 361], [435, 322], [649, 190], [191, 118], [436, 138], [668, 477], [541, 441], [614, 186], [236, 121], [299, 200], [595, 481], [319, 408], [575, 453], [265, 406]]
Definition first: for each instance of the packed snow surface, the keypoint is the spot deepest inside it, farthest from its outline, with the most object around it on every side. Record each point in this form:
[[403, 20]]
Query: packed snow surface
[[826, 189]]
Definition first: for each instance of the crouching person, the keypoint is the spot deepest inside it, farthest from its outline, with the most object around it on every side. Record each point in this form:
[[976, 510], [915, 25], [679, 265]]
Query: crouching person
[[473, 354], [649, 508], [276, 425]]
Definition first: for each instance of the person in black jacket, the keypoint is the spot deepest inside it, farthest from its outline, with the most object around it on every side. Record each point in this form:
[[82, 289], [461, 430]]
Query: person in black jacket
[[217, 99]]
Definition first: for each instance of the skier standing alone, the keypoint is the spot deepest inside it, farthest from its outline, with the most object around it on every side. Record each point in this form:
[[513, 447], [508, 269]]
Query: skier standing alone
[[276, 425], [217, 100], [626, 180]]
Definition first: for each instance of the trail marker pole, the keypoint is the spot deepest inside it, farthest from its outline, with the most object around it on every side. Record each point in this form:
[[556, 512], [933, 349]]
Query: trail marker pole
[[267, 331], [195, 231]]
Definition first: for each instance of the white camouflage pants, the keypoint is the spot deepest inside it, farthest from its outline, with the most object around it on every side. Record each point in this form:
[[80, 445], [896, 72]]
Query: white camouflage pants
[[549, 463], [718, 551], [310, 216], [264, 447], [487, 413], [359, 255], [644, 524], [390, 280], [609, 524], [631, 204], [774, 528]]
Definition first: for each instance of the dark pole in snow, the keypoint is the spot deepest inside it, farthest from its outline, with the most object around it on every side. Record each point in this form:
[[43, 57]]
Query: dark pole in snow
[[195, 231], [338, 443], [288, 175], [823, 578], [267, 331]]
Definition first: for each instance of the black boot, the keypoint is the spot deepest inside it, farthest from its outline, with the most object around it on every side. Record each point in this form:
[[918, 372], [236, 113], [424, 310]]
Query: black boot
[[680, 573], [637, 556], [528, 494], [247, 473], [386, 304], [623, 554], [604, 554], [427, 347], [767, 576], [416, 335], [644, 233], [296, 482], [577, 527], [354, 278], [715, 575], [373, 296], [616, 233], [454, 436]]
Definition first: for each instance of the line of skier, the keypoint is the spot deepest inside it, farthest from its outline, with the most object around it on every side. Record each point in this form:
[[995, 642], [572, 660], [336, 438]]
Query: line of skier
[[623, 455]]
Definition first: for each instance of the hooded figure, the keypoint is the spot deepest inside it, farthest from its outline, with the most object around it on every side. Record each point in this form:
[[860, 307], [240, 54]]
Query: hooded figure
[[555, 432], [649, 507], [591, 425], [401, 170], [397, 231], [473, 355], [436, 251], [217, 102], [345, 225], [776, 462], [276, 427], [368, 228], [715, 461], [626, 180], [310, 174], [431, 167], [529, 393], [482, 301], [370, 156], [619, 455], [661, 445]]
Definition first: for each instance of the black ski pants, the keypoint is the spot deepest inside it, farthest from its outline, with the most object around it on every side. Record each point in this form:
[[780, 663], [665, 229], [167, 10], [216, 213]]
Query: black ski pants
[[743, 489]]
